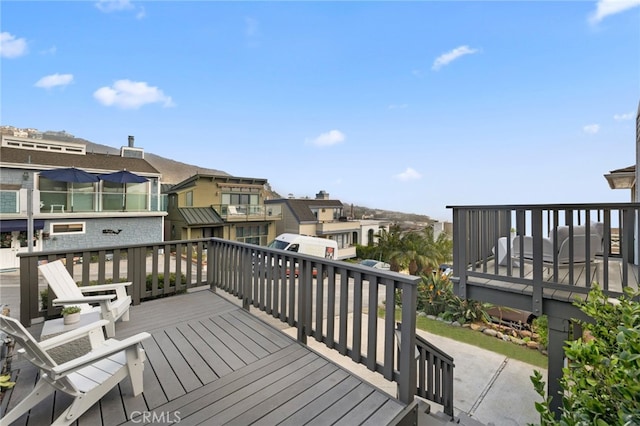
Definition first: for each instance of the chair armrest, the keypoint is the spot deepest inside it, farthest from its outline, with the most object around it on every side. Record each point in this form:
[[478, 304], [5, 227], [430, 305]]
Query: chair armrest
[[85, 299], [109, 347], [71, 335], [103, 287]]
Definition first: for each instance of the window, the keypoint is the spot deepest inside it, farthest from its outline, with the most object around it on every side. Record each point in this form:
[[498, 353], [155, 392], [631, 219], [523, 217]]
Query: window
[[68, 228], [255, 234], [240, 199], [189, 199]]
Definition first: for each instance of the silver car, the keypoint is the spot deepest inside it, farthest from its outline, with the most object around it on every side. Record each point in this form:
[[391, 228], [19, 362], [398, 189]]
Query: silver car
[[372, 263]]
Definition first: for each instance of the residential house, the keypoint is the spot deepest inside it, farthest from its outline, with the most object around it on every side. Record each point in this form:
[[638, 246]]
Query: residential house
[[319, 217], [228, 207], [68, 215], [627, 177], [370, 228]]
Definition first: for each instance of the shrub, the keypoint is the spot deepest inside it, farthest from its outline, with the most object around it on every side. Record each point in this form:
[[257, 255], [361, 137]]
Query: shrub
[[540, 326], [68, 310], [434, 293], [172, 281], [601, 382]]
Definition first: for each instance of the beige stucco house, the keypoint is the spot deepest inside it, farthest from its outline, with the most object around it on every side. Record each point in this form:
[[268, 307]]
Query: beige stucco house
[[226, 207]]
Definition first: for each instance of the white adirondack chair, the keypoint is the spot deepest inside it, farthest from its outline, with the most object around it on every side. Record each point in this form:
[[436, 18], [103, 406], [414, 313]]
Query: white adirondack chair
[[112, 306], [86, 378]]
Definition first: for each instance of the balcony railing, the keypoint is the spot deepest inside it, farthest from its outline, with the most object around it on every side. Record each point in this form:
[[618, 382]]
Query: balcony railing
[[248, 212], [339, 309], [546, 248], [13, 201]]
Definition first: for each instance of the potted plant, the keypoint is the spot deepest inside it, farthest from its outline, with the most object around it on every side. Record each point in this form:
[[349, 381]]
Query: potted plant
[[71, 314]]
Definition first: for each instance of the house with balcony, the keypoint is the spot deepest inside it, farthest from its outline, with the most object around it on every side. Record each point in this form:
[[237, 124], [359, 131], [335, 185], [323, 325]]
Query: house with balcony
[[228, 207], [319, 217], [40, 213]]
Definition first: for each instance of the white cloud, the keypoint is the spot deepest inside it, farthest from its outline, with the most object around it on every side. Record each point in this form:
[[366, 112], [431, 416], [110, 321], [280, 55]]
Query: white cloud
[[623, 117], [127, 94], [12, 47], [591, 129], [447, 58], [54, 80], [398, 106], [109, 6], [606, 8], [408, 174], [330, 138]]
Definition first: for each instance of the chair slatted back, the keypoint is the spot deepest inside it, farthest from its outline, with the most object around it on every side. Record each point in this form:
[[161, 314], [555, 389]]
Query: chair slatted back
[[61, 282], [36, 355], [33, 352]]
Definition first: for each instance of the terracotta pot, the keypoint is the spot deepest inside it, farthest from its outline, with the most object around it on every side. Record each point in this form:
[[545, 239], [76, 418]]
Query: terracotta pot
[[71, 318]]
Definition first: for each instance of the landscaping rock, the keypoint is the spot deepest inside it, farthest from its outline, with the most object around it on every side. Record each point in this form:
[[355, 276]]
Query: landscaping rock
[[532, 345], [432, 317], [456, 324], [490, 332]]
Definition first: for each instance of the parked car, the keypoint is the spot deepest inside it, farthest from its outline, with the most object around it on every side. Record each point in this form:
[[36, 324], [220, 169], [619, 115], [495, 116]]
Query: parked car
[[372, 263]]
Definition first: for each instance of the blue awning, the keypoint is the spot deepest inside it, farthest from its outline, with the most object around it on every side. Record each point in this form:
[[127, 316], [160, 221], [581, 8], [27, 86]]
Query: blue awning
[[19, 225]]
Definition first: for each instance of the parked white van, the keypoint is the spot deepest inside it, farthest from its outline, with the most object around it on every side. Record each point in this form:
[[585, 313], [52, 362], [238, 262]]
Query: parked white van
[[313, 246]]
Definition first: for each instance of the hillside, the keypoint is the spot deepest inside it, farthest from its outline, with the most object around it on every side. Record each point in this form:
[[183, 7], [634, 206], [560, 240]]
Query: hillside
[[172, 171], [175, 171]]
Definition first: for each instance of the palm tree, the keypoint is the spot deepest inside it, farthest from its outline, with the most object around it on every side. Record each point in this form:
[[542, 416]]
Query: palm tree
[[388, 243], [436, 250]]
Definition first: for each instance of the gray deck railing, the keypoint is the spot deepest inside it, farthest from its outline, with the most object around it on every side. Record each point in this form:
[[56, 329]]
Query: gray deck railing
[[478, 229], [435, 373], [332, 309]]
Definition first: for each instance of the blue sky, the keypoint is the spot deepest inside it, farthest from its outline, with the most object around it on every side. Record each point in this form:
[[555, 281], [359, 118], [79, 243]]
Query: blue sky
[[407, 106]]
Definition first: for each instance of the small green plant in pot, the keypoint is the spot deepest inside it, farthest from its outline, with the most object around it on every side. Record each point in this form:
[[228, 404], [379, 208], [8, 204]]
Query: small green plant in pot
[[71, 314]]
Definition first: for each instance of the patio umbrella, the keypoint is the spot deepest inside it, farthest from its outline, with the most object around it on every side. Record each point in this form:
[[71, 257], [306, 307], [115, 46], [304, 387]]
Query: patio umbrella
[[69, 175], [124, 177]]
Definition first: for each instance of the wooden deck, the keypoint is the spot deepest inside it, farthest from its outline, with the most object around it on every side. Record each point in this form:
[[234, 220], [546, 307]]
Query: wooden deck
[[210, 362]]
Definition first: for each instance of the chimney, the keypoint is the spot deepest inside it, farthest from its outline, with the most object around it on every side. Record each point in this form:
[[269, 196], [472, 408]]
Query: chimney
[[130, 141], [322, 195]]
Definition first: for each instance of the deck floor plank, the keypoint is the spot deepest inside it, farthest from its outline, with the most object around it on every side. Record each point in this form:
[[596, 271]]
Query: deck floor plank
[[250, 397], [111, 408], [229, 341], [132, 404], [200, 367], [204, 351], [167, 380], [181, 368], [229, 360], [236, 381], [271, 398], [301, 394], [271, 335], [25, 381], [242, 334], [218, 364], [341, 409], [318, 403]]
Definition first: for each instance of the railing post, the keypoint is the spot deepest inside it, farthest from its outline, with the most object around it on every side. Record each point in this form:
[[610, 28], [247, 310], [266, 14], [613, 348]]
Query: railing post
[[210, 266], [558, 335], [303, 309], [29, 295], [407, 384], [245, 281], [459, 252], [536, 231]]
